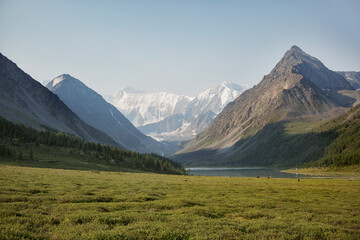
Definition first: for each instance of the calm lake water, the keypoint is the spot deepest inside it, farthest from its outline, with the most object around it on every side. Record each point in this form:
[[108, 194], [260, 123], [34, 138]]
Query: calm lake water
[[242, 172]]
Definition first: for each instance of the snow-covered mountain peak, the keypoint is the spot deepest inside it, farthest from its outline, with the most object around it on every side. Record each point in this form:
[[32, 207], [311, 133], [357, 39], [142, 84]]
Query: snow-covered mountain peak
[[127, 90], [225, 92], [226, 84], [170, 114], [58, 79], [144, 108], [233, 86], [133, 91], [69, 84]]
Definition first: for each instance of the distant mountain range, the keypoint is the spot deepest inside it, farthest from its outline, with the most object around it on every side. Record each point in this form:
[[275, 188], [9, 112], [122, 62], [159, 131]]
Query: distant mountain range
[[285, 120], [299, 89], [94, 110], [171, 117], [24, 100], [144, 108]]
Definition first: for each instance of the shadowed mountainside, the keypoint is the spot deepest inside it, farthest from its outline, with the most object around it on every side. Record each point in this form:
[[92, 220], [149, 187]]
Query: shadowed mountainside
[[94, 110], [24, 100]]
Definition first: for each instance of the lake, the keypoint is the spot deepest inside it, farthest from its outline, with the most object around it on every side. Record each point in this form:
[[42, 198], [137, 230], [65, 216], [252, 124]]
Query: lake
[[241, 172]]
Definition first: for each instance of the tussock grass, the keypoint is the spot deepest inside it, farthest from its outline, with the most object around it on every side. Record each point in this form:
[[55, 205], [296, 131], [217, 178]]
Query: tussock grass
[[40, 203]]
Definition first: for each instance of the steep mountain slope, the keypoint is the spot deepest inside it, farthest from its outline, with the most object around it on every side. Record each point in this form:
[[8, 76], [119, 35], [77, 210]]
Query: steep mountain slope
[[169, 117], [344, 150], [353, 78], [24, 100], [289, 144], [94, 110], [299, 88]]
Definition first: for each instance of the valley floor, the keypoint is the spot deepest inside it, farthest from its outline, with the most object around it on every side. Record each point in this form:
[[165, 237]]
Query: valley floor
[[40, 203]]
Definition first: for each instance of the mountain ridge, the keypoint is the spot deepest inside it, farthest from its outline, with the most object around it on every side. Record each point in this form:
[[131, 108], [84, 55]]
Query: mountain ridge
[[25, 100], [151, 112], [298, 88]]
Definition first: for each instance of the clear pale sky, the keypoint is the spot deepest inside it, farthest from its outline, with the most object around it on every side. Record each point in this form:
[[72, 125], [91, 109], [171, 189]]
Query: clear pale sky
[[178, 46]]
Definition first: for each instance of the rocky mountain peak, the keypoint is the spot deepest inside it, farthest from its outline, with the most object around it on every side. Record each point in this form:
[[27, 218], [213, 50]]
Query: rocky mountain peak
[[298, 87], [61, 78], [296, 61], [296, 49], [295, 56], [64, 79]]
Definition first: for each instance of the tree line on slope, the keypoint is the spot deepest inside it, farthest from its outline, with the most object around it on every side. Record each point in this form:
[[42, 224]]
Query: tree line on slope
[[20, 135], [274, 147], [344, 150]]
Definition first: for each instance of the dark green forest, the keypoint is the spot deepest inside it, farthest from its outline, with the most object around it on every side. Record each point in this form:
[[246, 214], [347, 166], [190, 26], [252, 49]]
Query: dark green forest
[[19, 143], [344, 149]]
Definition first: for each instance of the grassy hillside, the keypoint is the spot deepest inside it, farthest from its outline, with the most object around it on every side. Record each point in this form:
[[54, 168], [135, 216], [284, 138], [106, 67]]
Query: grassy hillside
[[21, 145], [38, 203]]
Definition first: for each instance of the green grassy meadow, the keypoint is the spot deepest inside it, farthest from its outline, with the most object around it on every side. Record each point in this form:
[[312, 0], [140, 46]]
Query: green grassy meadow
[[42, 203]]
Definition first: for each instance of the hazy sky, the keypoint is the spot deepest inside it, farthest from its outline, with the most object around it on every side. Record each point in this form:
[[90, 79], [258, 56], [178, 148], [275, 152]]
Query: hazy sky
[[178, 46]]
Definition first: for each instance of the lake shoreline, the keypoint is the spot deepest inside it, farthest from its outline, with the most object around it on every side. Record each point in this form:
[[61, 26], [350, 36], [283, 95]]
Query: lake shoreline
[[257, 172], [349, 172], [267, 172]]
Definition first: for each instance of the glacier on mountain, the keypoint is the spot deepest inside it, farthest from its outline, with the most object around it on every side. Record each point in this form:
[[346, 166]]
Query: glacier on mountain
[[170, 117]]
